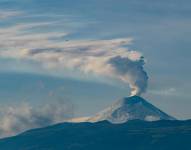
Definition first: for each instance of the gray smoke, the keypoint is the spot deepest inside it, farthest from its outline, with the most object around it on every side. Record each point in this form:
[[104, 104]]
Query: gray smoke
[[131, 72]]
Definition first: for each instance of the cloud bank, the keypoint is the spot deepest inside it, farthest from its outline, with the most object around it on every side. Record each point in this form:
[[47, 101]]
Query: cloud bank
[[18, 118]]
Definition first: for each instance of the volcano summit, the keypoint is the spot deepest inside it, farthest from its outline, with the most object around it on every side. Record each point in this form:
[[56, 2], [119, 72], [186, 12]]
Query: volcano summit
[[131, 108]]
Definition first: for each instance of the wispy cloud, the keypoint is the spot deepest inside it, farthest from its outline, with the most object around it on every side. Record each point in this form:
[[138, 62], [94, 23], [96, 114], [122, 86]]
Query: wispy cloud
[[18, 36], [4, 14], [165, 92]]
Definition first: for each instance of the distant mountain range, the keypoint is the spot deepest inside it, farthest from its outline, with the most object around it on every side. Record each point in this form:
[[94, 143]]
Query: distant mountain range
[[133, 135]]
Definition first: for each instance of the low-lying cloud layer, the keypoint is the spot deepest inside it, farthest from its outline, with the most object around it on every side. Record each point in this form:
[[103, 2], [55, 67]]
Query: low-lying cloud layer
[[18, 118]]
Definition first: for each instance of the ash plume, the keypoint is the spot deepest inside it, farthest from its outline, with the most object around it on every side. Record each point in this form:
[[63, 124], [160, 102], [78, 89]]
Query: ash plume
[[131, 72], [107, 58]]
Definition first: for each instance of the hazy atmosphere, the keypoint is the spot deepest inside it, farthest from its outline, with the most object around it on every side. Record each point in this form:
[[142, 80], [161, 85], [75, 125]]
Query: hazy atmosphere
[[63, 59]]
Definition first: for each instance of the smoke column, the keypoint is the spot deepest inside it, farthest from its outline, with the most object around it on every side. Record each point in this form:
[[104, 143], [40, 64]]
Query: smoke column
[[131, 72]]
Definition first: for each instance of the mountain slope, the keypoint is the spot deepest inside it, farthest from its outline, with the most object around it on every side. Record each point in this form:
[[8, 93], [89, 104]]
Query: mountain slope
[[131, 108], [133, 135]]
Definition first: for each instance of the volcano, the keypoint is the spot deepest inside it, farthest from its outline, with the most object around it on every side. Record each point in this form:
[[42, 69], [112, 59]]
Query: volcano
[[131, 108]]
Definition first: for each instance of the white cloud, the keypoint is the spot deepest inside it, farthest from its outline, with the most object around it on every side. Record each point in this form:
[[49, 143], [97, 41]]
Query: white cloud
[[18, 36], [165, 92], [9, 13], [152, 118], [18, 118]]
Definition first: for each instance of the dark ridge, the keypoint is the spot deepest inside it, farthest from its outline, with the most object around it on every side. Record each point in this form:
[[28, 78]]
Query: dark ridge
[[133, 135]]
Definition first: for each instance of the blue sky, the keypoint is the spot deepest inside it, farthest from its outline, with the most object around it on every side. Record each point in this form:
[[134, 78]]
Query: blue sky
[[159, 30]]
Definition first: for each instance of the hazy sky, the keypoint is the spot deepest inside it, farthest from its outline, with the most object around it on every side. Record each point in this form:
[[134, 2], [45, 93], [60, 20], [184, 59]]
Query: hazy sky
[[159, 30]]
